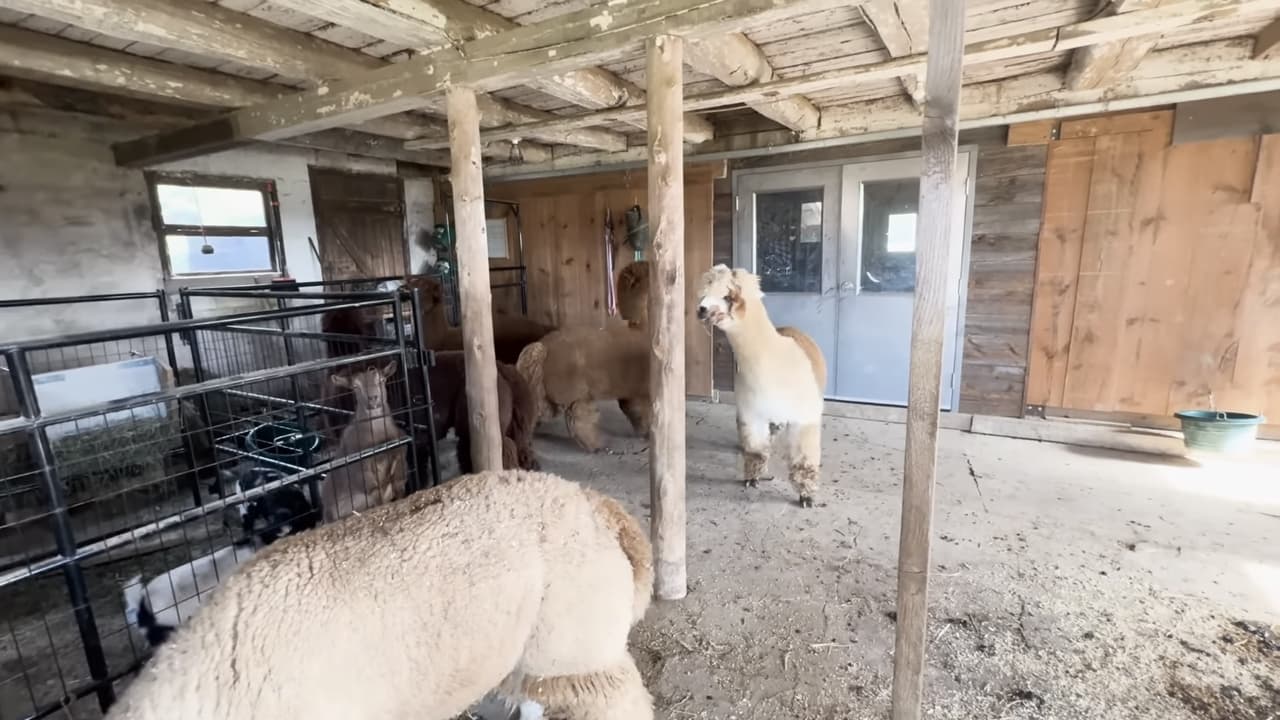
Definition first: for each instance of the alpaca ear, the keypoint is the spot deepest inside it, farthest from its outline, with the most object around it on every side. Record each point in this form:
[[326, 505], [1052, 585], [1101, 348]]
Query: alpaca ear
[[341, 381], [748, 285]]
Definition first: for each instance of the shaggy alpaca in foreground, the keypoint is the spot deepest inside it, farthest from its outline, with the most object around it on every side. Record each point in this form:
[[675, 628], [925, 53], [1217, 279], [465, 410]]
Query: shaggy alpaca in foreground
[[773, 394], [513, 580], [572, 369]]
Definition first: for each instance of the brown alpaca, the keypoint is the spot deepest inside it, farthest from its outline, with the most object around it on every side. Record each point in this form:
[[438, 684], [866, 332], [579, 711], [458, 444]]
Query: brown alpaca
[[511, 333], [572, 369], [347, 321], [633, 293], [516, 411]]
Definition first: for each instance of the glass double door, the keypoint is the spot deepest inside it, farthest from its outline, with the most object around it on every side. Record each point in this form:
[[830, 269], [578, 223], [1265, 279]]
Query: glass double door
[[835, 249]]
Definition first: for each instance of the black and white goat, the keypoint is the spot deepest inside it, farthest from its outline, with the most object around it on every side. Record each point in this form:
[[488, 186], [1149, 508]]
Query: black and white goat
[[279, 513], [169, 599]]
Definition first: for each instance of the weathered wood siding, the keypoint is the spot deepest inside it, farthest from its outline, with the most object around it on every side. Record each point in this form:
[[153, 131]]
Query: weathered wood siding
[[1159, 272], [563, 224], [1006, 224]]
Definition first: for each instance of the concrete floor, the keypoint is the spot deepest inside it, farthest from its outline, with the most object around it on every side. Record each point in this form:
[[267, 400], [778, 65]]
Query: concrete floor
[[1069, 582]]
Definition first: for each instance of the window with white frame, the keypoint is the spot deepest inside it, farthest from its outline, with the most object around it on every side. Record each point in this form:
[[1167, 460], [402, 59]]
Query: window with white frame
[[215, 226]]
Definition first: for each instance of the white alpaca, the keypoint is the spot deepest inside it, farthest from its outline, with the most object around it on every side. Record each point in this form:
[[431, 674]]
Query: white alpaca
[[774, 393]]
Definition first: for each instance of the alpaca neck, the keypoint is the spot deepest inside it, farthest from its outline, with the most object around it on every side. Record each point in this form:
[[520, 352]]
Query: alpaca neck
[[751, 333]]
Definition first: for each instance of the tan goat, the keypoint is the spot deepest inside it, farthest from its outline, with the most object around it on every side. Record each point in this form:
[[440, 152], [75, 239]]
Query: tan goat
[[377, 479], [514, 580]]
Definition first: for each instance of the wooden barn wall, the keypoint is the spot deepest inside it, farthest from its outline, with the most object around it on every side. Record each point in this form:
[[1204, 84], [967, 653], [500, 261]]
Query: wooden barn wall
[[1006, 225], [1158, 287], [563, 224]]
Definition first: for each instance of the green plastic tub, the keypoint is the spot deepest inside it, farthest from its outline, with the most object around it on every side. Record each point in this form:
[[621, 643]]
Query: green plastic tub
[[1218, 431]]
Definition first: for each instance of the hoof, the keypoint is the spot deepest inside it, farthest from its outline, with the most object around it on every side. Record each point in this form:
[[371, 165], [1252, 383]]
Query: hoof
[[754, 482], [806, 501]]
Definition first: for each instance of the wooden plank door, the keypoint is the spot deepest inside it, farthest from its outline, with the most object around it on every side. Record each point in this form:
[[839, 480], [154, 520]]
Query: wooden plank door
[[360, 223], [1157, 276]]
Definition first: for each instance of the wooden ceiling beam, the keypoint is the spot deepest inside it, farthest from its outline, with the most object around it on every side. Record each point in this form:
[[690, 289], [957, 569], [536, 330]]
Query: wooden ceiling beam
[[53, 60], [1100, 65], [588, 37], [1267, 44], [903, 29], [213, 31], [429, 25], [1183, 74], [209, 30], [1037, 42], [736, 61]]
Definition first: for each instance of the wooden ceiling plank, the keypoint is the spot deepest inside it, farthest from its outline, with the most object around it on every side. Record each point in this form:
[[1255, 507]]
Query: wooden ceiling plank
[[213, 31], [516, 57], [903, 29], [1101, 65], [736, 61]]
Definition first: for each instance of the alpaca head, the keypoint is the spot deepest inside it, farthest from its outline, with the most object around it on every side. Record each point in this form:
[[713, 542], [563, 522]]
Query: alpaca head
[[724, 294], [431, 292]]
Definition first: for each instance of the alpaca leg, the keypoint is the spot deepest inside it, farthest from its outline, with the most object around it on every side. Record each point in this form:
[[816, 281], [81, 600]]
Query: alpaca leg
[[804, 454], [510, 457], [755, 451], [616, 693], [582, 419], [637, 412]]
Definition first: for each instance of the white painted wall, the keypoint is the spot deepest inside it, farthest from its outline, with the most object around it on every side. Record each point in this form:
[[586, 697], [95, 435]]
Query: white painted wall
[[72, 222]]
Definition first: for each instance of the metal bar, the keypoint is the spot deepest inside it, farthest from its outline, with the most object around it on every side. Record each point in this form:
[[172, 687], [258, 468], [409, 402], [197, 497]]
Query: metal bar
[[171, 353], [84, 691], [190, 325], [425, 358], [189, 390], [197, 363], [296, 284], [384, 295], [414, 481], [178, 518], [77, 588], [73, 299], [289, 403], [300, 334]]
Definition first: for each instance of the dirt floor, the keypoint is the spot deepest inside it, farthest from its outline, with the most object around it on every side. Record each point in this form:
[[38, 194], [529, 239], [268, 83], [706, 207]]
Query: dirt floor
[[1068, 583]]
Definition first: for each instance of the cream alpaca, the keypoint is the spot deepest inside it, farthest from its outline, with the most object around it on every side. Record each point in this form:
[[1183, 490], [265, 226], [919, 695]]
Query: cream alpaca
[[418, 609], [774, 394]]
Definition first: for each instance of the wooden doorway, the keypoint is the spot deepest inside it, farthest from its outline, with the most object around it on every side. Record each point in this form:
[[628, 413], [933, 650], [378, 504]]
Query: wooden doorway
[[360, 223]]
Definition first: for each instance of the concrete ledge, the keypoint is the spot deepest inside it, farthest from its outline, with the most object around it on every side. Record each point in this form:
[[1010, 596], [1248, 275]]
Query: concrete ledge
[[1090, 434]]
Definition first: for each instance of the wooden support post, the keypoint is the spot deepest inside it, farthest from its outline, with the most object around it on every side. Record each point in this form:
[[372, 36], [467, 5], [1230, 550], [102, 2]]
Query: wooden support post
[[473, 279], [937, 197], [665, 76]]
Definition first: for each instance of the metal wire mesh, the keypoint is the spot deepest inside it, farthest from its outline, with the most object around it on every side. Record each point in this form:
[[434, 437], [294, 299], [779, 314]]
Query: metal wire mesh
[[149, 462]]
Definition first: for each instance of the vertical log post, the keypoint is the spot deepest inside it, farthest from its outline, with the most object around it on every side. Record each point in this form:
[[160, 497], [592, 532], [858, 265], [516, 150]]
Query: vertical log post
[[665, 77], [933, 238], [474, 293]]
